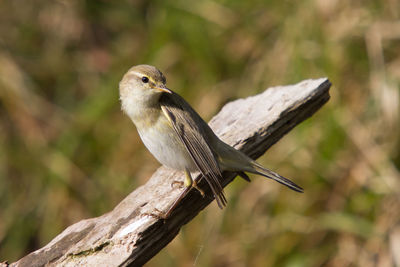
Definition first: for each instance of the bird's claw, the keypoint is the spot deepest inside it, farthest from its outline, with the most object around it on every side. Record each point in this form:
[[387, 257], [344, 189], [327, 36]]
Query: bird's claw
[[157, 214], [180, 184], [194, 185], [177, 184]]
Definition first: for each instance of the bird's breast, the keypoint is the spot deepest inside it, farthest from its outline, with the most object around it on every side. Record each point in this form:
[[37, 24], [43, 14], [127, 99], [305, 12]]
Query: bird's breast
[[163, 142]]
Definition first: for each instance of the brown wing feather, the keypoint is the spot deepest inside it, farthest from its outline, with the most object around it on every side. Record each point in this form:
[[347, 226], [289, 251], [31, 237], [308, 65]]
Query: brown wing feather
[[186, 125]]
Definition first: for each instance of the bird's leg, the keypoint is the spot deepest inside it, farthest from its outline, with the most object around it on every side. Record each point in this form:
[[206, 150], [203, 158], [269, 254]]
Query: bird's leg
[[190, 183]]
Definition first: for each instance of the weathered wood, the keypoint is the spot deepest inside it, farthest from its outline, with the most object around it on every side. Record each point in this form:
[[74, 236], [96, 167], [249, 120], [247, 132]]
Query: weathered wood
[[127, 237]]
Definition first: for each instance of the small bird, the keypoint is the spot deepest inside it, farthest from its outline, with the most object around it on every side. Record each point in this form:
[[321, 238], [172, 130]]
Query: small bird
[[178, 137]]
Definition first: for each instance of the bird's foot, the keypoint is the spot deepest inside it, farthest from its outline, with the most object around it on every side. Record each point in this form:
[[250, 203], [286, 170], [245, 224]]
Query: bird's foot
[[178, 184], [157, 214], [194, 185]]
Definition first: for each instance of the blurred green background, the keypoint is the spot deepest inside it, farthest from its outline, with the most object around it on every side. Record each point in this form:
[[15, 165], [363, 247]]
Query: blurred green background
[[67, 152]]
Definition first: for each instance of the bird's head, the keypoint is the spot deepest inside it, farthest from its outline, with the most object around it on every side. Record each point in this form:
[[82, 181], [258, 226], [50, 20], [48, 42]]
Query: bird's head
[[141, 85]]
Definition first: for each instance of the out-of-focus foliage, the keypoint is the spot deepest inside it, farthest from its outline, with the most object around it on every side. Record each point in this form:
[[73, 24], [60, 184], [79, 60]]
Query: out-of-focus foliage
[[67, 152]]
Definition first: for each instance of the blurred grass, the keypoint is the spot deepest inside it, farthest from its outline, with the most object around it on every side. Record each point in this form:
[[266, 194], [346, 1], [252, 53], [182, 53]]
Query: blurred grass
[[67, 152]]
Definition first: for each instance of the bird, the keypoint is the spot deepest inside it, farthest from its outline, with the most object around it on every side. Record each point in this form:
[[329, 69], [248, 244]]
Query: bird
[[179, 138]]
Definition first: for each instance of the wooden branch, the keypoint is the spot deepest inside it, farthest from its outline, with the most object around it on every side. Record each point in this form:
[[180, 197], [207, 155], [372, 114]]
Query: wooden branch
[[127, 237]]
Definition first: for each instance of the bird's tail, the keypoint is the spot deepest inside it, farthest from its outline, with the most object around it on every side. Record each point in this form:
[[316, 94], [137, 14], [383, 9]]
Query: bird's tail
[[258, 169], [231, 159]]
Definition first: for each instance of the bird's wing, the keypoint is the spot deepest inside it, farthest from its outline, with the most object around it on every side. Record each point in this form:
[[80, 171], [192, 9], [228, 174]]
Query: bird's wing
[[192, 131]]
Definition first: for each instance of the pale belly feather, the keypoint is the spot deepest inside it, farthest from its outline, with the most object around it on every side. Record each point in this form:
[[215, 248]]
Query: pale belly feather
[[166, 147]]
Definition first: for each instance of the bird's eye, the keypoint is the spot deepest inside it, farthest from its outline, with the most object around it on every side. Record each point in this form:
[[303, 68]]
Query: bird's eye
[[145, 79]]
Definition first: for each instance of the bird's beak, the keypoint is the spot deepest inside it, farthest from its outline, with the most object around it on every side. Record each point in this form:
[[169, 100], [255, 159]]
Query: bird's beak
[[163, 89]]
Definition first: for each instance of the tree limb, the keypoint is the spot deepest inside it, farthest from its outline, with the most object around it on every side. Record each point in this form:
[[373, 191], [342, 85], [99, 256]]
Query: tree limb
[[126, 236]]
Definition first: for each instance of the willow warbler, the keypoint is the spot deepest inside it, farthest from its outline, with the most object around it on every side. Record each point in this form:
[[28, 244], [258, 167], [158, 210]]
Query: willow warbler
[[178, 137]]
